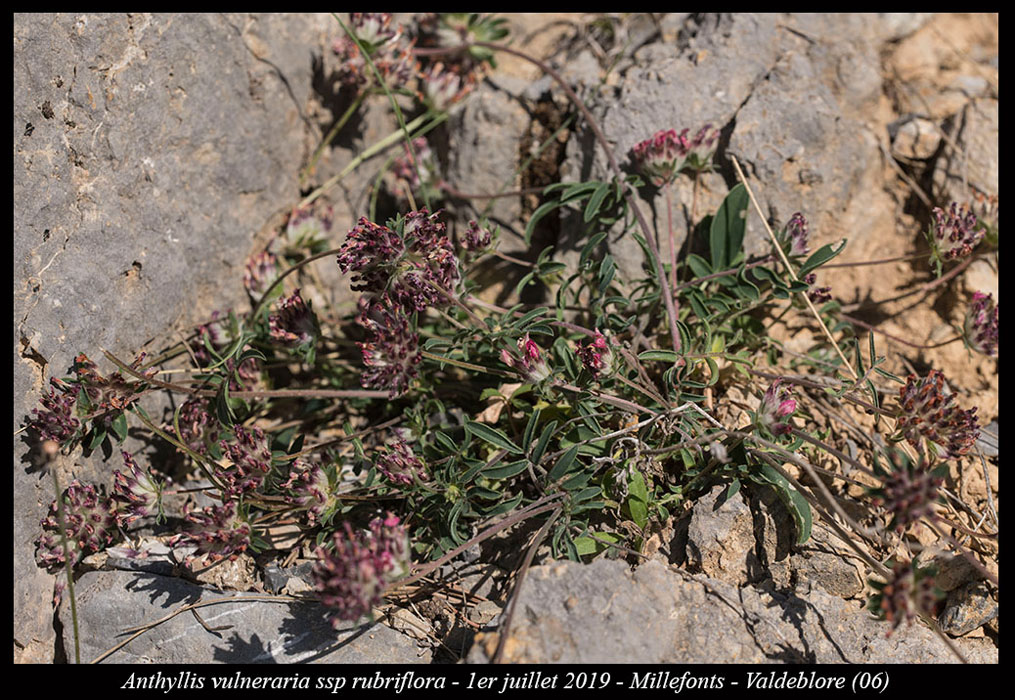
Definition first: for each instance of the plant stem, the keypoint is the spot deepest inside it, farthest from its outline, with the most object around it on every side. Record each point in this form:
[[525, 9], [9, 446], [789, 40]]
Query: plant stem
[[333, 133], [376, 148], [897, 339], [883, 261]]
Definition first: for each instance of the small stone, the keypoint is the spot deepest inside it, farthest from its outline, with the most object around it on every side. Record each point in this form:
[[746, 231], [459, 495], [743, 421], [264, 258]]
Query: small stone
[[916, 138], [987, 442], [968, 608]]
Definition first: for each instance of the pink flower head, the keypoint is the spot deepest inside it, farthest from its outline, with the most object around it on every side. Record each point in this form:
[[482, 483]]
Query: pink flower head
[[477, 238], [198, 427], [777, 406], [418, 168], [794, 236], [372, 28], [955, 233], [389, 50], [981, 324], [260, 273], [661, 157], [391, 350], [250, 455], [702, 147], [908, 592], [309, 227], [908, 490], [310, 488], [136, 494], [925, 411], [56, 420], [529, 360], [218, 532], [412, 268], [399, 464], [818, 295], [89, 526], [444, 87], [295, 323], [352, 575], [596, 355]]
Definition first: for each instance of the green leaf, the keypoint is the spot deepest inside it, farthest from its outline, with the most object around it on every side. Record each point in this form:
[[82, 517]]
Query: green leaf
[[504, 471], [661, 355], [530, 316], [530, 429], [727, 231], [544, 439], [563, 464], [538, 214], [699, 266], [637, 499], [523, 282], [795, 503], [492, 435], [596, 201], [120, 427], [594, 545], [98, 435], [823, 255]]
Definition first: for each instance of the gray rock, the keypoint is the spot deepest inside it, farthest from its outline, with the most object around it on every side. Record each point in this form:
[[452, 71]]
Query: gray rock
[[253, 631], [720, 537], [150, 151], [968, 608], [605, 613], [987, 441], [914, 137], [973, 167]]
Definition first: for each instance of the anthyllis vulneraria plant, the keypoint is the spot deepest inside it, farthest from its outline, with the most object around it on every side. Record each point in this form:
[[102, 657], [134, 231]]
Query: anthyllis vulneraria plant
[[908, 593], [395, 434], [928, 415], [980, 327], [954, 234]]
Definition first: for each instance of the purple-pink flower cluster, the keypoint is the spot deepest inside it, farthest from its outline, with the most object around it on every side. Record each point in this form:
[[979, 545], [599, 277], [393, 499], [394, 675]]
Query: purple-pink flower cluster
[[399, 464], [89, 526], [351, 575], [388, 47], [925, 411], [908, 592], [391, 352], [477, 238], [260, 273], [981, 324], [776, 409], [217, 531], [310, 489], [136, 494], [908, 490], [56, 420], [250, 455], [955, 232], [198, 428], [417, 167], [295, 323], [529, 360], [663, 156], [444, 86], [596, 355], [794, 236], [409, 268], [818, 295]]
